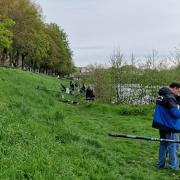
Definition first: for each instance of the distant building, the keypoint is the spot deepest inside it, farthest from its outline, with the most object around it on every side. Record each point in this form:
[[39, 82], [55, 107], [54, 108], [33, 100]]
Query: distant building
[[84, 70]]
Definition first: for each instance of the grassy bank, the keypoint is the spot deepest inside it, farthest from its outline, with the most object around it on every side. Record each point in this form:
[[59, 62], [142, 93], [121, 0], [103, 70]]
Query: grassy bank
[[43, 138]]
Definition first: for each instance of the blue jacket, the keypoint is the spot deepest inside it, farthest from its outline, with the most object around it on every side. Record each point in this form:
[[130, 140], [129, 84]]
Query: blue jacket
[[167, 114]]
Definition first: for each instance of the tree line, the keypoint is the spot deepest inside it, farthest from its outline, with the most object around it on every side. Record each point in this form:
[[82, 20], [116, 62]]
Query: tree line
[[27, 42], [133, 81]]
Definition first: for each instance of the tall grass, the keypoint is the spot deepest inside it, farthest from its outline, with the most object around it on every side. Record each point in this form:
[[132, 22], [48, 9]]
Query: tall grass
[[43, 138]]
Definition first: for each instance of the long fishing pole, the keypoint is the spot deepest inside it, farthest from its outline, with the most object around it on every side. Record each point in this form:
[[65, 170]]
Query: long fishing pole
[[44, 89], [62, 98], [142, 138]]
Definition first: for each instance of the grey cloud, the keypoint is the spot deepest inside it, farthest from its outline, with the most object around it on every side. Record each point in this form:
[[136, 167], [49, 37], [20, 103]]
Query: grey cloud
[[95, 27]]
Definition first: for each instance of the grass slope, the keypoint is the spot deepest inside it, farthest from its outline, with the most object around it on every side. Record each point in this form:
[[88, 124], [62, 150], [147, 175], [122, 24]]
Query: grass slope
[[42, 138]]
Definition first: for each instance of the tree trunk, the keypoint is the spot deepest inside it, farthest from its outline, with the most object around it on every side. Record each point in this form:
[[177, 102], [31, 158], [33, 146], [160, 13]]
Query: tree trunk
[[17, 60], [22, 56], [4, 52]]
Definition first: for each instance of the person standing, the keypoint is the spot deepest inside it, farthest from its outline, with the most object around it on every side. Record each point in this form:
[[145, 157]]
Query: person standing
[[167, 120]]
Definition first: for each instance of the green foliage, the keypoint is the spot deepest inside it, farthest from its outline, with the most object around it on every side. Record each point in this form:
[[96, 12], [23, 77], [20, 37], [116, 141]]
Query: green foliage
[[135, 111], [100, 78], [112, 84], [39, 47], [59, 53], [36, 46], [5, 32]]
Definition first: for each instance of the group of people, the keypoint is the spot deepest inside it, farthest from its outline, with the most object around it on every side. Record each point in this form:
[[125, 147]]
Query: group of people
[[81, 88], [167, 120]]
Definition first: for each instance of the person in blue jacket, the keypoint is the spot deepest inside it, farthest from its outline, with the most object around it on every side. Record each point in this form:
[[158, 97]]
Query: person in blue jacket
[[167, 120]]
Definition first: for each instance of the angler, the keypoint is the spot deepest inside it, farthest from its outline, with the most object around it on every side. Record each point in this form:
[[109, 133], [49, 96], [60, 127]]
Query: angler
[[167, 121]]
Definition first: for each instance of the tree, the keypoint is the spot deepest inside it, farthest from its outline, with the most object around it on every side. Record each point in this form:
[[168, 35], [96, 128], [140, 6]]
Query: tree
[[6, 32], [6, 36], [59, 52], [31, 43]]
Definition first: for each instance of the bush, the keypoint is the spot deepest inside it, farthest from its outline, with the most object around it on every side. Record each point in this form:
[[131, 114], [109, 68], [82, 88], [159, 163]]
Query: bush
[[134, 110]]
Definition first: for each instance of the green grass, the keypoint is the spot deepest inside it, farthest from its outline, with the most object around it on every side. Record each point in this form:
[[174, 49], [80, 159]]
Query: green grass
[[43, 138]]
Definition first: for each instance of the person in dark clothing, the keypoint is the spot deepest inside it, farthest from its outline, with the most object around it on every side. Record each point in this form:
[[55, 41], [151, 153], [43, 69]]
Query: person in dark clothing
[[72, 86], [76, 84], [82, 89], [63, 88], [90, 94], [167, 120]]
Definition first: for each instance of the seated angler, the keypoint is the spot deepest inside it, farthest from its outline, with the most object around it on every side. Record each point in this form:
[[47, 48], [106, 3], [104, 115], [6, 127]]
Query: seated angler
[[90, 94]]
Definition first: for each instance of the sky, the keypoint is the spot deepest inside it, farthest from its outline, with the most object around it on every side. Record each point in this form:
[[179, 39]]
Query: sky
[[96, 28]]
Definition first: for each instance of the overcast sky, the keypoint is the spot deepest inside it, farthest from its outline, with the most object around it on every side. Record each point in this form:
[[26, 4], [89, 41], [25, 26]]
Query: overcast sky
[[96, 27]]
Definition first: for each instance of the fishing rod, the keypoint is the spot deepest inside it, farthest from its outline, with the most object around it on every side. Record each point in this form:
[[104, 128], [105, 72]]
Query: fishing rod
[[50, 90], [62, 99], [142, 138], [44, 89]]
